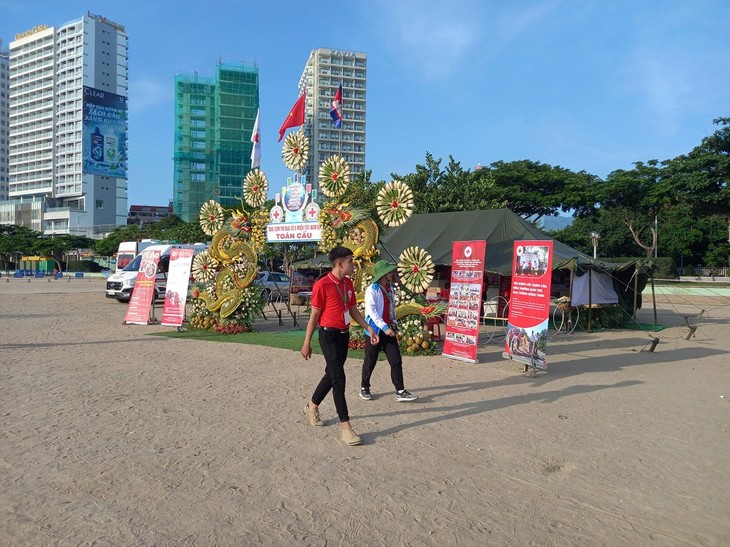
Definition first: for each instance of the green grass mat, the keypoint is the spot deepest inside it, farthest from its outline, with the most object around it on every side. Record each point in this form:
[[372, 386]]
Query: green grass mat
[[645, 326], [290, 339]]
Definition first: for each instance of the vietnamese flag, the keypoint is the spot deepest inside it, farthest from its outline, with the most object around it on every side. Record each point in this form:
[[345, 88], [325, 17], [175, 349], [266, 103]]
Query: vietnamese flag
[[295, 117]]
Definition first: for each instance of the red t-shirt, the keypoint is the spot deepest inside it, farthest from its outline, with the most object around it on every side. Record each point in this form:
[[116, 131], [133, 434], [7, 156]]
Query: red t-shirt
[[333, 297], [386, 308]]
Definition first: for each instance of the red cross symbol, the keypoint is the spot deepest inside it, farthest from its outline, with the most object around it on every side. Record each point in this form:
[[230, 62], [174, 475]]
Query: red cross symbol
[[276, 215], [312, 212]]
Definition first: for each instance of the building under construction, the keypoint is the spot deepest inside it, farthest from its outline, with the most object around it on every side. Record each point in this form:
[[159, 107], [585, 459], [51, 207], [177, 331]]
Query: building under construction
[[214, 118]]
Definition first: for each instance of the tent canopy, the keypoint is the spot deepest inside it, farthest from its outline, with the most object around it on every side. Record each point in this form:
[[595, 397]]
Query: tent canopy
[[436, 233], [317, 262]]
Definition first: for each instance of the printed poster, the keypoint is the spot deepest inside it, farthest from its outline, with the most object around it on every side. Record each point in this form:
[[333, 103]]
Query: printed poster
[[529, 304], [176, 294], [138, 310], [104, 149], [465, 300]]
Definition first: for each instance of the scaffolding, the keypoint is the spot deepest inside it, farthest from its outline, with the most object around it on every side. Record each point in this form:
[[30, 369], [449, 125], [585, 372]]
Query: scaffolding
[[214, 119]]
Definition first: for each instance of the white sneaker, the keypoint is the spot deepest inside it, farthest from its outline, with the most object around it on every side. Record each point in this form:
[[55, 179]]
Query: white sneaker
[[405, 396]]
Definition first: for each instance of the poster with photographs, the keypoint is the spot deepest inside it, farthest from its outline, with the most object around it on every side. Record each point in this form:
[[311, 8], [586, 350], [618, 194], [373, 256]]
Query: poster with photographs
[[529, 305], [465, 297]]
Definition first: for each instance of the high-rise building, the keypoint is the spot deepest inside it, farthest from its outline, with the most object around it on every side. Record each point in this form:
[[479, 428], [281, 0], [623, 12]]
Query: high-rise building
[[214, 118], [68, 128], [325, 71], [4, 115]]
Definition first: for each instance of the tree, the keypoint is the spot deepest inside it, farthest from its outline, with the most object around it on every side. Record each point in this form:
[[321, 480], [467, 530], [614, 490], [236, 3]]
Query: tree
[[701, 178], [424, 183], [534, 190], [15, 242], [57, 246], [615, 239], [638, 196]]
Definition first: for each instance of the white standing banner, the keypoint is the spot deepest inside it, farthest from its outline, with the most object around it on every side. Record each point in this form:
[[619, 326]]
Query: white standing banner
[[176, 293]]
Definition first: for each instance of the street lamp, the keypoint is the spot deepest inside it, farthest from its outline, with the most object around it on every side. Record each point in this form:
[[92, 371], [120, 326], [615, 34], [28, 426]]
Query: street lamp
[[595, 236]]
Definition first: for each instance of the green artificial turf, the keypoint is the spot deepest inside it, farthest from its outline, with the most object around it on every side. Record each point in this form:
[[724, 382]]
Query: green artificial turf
[[290, 339]]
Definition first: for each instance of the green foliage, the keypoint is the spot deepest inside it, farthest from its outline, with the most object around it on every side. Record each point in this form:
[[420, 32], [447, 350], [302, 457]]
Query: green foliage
[[665, 267], [83, 266]]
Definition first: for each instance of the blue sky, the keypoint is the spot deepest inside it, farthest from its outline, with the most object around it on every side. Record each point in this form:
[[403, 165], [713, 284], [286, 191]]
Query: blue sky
[[585, 84]]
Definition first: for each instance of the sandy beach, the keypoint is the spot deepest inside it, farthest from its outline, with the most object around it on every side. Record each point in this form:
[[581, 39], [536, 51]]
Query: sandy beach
[[114, 437]]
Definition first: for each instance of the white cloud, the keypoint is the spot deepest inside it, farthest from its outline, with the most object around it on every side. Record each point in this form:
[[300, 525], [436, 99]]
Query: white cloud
[[664, 87], [145, 93], [516, 23], [432, 36]]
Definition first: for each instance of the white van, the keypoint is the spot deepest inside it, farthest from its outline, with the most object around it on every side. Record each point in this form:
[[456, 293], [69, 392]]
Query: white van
[[129, 249], [120, 285]]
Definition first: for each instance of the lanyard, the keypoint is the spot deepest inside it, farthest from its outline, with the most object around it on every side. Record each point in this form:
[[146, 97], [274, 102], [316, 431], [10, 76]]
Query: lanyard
[[343, 294]]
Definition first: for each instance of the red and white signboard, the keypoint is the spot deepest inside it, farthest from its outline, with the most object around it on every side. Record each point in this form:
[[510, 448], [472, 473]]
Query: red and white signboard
[[285, 232], [529, 305], [138, 310], [176, 293], [465, 300]]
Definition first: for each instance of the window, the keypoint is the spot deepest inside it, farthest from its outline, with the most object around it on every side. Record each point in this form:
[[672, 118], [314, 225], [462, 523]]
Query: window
[[99, 203]]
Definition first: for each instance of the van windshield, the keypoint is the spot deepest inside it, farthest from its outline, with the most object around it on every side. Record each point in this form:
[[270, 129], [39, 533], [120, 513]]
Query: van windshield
[[134, 265]]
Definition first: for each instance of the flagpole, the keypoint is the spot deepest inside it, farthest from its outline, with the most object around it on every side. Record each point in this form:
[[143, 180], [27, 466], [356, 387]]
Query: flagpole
[[342, 119]]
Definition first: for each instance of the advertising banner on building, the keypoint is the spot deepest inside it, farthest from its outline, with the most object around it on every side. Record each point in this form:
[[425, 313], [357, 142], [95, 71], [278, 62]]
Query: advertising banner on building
[[465, 300], [138, 310], [104, 149], [176, 294], [529, 304]]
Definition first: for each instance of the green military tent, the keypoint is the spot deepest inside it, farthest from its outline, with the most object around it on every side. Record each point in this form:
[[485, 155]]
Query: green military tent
[[436, 233]]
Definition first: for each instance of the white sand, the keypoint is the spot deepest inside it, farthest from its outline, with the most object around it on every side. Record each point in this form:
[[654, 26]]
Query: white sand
[[113, 437]]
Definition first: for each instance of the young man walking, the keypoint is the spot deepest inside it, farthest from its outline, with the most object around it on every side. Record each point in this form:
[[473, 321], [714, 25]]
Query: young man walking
[[333, 304], [380, 315]]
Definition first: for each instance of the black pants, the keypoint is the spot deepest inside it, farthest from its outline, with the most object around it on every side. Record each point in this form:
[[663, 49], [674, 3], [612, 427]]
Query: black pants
[[389, 344], [334, 348]]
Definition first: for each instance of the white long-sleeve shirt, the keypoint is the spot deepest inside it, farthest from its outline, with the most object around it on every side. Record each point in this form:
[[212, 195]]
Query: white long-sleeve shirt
[[374, 307]]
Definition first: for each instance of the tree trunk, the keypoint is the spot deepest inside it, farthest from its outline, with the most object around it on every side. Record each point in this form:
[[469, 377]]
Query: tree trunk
[[635, 234]]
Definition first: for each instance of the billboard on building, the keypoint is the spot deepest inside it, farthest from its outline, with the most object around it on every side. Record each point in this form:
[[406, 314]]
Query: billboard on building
[[104, 147]]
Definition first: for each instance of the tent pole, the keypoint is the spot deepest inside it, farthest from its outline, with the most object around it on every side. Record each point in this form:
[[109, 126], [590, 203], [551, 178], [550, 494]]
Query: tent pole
[[388, 251], [636, 288], [653, 296], [590, 298]]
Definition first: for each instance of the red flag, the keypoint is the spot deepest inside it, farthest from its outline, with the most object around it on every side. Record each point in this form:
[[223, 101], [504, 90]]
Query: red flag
[[295, 117]]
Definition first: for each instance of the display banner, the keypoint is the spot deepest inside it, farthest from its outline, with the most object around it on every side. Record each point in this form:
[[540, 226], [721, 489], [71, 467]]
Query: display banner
[[176, 293], [292, 232], [529, 304], [104, 149], [465, 300], [138, 310]]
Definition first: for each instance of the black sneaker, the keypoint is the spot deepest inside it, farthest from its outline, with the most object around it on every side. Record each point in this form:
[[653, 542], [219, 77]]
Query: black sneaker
[[405, 396], [365, 394]]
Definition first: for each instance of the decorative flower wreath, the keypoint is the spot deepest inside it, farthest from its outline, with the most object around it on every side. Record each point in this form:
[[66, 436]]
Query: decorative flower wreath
[[394, 203], [204, 267], [334, 176], [255, 187], [239, 225], [295, 151], [211, 217], [416, 269]]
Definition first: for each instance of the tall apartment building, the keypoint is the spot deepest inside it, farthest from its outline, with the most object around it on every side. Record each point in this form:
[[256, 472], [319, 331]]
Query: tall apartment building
[[68, 128], [325, 70], [214, 118], [4, 116]]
